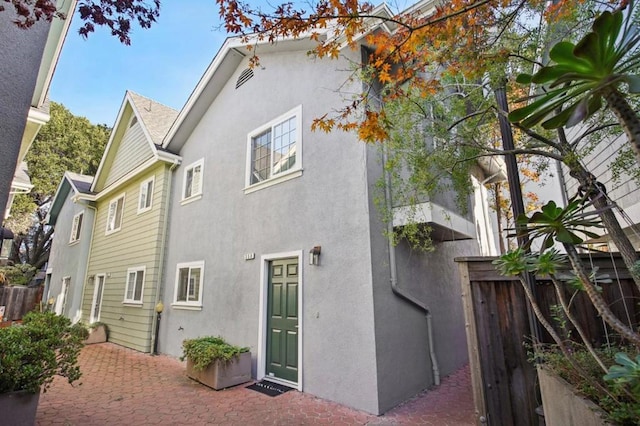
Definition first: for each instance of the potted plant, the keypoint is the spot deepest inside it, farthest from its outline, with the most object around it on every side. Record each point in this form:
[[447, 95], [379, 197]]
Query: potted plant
[[43, 346], [215, 363], [98, 333]]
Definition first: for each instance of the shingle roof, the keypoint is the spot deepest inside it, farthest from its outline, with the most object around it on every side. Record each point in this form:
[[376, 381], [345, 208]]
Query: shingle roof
[[157, 118], [81, 182]]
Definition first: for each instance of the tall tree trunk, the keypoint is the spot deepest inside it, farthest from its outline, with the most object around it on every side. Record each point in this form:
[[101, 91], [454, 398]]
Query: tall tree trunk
[[626, 116], [593, 189]]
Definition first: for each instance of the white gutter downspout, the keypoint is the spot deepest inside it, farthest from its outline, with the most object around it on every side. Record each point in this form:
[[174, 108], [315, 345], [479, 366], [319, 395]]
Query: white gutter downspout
[[161, 266], [394, 276], [86, 268]]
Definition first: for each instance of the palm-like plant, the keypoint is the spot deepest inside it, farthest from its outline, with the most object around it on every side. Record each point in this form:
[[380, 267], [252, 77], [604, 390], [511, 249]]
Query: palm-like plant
[[586, 73], [556, 224]]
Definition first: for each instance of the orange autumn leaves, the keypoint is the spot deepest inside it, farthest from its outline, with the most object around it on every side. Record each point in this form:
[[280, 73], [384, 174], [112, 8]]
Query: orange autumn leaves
[[409, 52]]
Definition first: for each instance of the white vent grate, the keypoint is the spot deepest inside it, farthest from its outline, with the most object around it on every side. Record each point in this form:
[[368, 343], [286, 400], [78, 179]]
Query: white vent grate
[[244, 77]]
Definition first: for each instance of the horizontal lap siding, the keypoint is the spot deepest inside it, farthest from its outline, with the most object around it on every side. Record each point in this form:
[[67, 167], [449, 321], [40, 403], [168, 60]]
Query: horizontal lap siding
[[136, 244], [133, 151]]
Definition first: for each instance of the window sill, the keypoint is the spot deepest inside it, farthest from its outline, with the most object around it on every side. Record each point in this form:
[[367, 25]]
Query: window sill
[[112, 231], [73, 243], [144, 210], [191, 199], [186, 307], [273, 181], [132, 303]]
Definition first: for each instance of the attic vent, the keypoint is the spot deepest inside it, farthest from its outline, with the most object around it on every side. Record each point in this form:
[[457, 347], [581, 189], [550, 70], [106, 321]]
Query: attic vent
[[134, 120], [244, 77]]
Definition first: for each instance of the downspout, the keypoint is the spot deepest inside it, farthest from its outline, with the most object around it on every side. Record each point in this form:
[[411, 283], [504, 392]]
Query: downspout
[[394, 275], [165, 221], [86, 268]]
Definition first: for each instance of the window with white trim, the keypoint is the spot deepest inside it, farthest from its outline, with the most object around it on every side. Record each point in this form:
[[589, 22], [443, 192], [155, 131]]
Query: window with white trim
[[66, 283], [275, 148], [146, 195], [135, 285], [192, 184], [115, 213], [189, 278], [76, 227]]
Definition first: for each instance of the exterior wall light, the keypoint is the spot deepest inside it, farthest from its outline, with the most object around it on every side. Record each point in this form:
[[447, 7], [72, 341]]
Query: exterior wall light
[[159, 308], [314, 256]]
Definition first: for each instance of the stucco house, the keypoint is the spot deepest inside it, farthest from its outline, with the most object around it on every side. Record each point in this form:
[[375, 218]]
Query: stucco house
[[29, 57], [248, 225], [275, 243], [73, 217]]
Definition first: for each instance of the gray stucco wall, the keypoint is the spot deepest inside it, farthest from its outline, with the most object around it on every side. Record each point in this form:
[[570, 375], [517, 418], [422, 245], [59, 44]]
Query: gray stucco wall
[[21, 53], [402, 349], [326, 206], [70, 260]]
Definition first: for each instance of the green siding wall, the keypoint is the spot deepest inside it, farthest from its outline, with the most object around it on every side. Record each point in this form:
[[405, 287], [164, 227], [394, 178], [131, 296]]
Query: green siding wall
[[133, 151], [137, 243]]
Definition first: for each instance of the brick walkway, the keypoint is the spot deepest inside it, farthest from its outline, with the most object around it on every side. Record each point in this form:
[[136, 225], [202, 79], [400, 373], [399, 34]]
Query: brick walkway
[[122, 386]]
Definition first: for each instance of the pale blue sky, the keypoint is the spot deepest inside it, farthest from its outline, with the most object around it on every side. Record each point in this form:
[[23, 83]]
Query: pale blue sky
[[164, 62]]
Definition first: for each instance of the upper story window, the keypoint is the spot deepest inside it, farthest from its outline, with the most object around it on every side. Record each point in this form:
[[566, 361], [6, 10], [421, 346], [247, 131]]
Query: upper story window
[[76, 227], [188, 290], [275, 149], [146, 195], [192, 184], [135, 284], [114, 216]]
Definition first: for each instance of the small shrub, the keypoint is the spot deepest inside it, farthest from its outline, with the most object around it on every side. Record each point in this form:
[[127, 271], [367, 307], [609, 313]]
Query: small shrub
[[17, 275], [202, 351], [44, 346]]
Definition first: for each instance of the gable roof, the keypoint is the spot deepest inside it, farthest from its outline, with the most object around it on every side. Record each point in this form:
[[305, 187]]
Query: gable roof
[[225, 63], [157, 118], [154, 119], [79, 184]]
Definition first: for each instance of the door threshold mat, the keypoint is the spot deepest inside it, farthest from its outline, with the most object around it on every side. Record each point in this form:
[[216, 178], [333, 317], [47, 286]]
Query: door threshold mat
[[269, 388]]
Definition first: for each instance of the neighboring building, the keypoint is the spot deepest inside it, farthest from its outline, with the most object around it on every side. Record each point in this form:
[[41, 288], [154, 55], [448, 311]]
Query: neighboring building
[[131, 190], [29, 58], [72, 216]]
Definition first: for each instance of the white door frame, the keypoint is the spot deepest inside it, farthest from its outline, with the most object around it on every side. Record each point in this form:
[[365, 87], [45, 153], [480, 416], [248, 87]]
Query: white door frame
[[93, 319], [262, 319]]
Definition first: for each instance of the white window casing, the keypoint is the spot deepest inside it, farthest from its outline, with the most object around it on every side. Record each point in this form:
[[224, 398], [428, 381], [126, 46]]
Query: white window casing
[[274, 151], [145, 199], [134, 291], [76, 227], [192, 181], [115, 214], [188, 287]]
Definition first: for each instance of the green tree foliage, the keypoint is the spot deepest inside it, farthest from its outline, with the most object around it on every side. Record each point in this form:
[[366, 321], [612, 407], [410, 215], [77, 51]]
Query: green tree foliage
[[65, 143]]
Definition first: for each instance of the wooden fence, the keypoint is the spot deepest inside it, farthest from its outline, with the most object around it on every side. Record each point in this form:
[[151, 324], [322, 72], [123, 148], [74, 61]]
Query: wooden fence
[[19, 300], [504, 381]]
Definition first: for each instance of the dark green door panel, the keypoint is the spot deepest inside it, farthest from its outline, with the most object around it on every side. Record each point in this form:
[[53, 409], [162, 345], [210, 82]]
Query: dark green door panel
[[282, 320]]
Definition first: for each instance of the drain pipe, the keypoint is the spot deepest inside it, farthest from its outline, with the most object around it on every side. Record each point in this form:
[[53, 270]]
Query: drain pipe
[[394, 276]]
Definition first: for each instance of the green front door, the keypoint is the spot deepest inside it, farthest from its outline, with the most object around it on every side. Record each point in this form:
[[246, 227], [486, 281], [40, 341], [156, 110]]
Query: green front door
[[282, 320]]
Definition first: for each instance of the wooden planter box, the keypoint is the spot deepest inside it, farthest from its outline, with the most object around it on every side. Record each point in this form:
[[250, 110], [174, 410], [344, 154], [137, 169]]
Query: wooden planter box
[[220, 375], [96, 335], [562, 407]]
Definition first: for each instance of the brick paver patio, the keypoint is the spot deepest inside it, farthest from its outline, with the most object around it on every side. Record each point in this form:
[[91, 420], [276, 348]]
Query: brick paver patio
[[121, 386]]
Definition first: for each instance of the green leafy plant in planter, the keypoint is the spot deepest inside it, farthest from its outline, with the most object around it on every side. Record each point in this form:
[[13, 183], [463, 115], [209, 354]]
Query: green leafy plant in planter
[[202, 351], [44, 346]]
